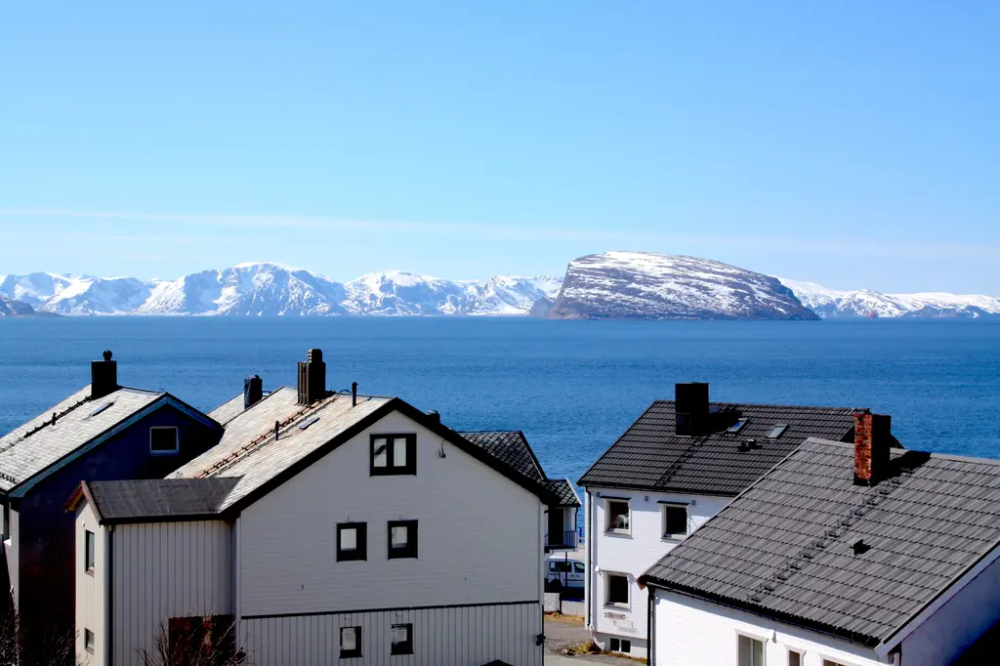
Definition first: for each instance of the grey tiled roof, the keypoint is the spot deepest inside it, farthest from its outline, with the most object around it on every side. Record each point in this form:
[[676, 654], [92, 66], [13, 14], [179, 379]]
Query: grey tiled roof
[[228, 410], [119, 501], [785, 547], [564, 490], [651, 456], [34, 446]]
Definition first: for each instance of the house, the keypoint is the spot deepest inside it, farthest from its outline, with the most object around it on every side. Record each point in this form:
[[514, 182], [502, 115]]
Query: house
[[677, 466], [840, 556], [103, 431], [324, 527]]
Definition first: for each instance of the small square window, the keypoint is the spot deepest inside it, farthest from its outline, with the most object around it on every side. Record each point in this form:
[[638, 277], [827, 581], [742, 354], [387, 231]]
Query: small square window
[[794, 658], [393, 455], [352, 542], [675, 520], [89, 557], [88, 640], [350, 642], [618, 516], [750, 651], [615, 645], [402, 639], [402, 539], [617, 593], [164, 440]]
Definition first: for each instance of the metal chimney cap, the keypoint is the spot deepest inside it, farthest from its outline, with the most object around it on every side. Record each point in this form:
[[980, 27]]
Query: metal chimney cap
[[107, 354]]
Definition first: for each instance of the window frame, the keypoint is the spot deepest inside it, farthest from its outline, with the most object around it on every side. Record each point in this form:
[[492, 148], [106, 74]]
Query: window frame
[[89, 551], [405, 647], [627, 604], [674, 536], [750, 637], [608, 527], [89, 640], [360, 553], [412, 535], [165, 452], [356, 652], [390, 469], [798, 653]]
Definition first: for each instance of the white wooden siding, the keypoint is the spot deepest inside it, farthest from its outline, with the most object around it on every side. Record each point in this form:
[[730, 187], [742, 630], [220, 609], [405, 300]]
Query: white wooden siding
[[690, 632], [165, 570], [480, 534], [457, 636], [91, 588], [633, 554]]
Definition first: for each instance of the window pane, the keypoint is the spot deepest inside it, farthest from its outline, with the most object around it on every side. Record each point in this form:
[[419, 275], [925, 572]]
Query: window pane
[[758, 653], [90, 550], [163, 439], [579, 568], [399, 452], [348, 538], [676, 519], [617, 589], [349, 639], [381, 456], [618, 515], [400, 537], [400, 634], [794, 658]]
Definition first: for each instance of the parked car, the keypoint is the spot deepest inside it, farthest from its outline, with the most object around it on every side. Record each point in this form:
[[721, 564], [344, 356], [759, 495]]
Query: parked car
[[563, 572]]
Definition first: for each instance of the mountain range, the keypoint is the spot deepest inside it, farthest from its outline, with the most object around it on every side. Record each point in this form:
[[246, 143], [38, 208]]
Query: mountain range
[[608, 285]]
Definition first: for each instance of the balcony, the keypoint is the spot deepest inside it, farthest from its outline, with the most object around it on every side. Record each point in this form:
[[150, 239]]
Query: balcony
[[564, 540]]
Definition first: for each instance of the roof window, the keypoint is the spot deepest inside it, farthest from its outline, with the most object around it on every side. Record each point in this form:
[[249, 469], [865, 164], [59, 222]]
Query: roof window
[[736, 427], [777, 431], [308, 422]]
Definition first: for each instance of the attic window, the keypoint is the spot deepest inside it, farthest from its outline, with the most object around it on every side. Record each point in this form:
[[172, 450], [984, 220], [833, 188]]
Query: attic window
[[308, 422], [102, 408], [736, 427], [777, 431]]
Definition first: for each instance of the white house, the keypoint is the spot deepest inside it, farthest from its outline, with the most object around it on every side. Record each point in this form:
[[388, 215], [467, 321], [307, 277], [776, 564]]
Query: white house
[[677, 466], [840, 556], [324, 528]]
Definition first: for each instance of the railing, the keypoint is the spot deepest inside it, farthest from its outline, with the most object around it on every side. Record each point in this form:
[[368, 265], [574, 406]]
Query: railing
[[566, 539]]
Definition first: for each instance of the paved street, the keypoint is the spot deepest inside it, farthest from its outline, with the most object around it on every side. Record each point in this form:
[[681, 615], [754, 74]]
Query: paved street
[[565, 632]]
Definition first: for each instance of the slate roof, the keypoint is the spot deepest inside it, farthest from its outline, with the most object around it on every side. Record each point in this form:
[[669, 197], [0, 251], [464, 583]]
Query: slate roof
[[511, 448], [228, 410], [34, 446], [122, 501], [651, 456], [785, 548]]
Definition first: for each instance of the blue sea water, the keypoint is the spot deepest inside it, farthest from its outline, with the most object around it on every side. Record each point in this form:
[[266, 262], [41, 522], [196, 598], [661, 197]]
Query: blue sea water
[[571, 386]]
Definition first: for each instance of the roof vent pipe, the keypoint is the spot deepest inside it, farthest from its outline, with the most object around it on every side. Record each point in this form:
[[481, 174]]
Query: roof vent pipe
[[103, 377], [354, 394], [253, 391], [312, 378]]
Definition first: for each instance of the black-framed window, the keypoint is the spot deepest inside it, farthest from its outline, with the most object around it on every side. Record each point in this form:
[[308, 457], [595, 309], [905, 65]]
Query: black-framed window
[[89, 557], [352, 541], [164, 440], [618, 588], [393, 454], [350, 642], [620, 645], [402, 639], [402, 539], [675, 520], [88, 640]]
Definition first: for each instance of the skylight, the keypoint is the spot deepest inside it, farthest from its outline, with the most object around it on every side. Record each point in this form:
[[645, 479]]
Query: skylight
[[736, 427], [102, 408], [308, 422], [778, 431]]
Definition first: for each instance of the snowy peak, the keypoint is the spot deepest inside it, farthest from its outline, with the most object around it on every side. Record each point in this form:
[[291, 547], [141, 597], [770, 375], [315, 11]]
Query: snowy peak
[[836, 303], [640, 285], [12, 308]]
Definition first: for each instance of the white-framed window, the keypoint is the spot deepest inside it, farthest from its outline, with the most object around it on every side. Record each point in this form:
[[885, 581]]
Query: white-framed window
[[620, 645], [616, 590], [675, 520], [350, 642], [750, 651], [164, 440], [795, 658], [831, 662], [619, 516], [89, 555], [88, 640]]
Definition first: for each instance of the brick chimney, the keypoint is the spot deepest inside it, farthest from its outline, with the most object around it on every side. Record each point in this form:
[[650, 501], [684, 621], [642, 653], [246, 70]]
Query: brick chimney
[[312, 378], [872, 439], [103, 377], [691, 408]]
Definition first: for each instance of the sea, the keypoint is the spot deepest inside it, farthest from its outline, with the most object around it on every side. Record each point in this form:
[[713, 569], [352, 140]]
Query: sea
[[572, 386]]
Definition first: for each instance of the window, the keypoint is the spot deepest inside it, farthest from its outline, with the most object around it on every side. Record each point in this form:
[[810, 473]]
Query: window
[[675, 520], [617, 593], [164, 440], [394, 454], [794, 658], [579, 567], [352, 542], [777, 431], [402, 539], [736, 427], [88, 559], [831, 662], [350, 642], [751, 651], [560, 567], [620, 645], [618, 516], [88, 640], [402, 639]]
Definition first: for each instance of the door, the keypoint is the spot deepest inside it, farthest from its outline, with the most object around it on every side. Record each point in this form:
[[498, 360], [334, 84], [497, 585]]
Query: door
[[557, 527]]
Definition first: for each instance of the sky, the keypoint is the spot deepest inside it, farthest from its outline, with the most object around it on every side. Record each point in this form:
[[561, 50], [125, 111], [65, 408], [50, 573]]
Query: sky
[[851, 143]]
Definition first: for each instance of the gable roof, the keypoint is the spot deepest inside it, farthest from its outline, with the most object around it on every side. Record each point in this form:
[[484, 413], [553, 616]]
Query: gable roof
[[39, 445], [228, 410], [511, 448], [149, 499], [786, 547], [651, 456]]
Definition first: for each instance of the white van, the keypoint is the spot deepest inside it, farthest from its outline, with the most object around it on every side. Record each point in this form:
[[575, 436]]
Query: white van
[[564, 572]]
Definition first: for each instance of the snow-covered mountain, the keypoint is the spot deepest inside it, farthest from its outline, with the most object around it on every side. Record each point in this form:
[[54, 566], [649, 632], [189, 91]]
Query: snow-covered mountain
[[265, 289], [832, 303], [12, 308], [639, 285]]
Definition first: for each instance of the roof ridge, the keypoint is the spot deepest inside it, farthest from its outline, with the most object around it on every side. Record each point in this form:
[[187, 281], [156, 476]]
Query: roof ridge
[[939, 456], [777, 405]]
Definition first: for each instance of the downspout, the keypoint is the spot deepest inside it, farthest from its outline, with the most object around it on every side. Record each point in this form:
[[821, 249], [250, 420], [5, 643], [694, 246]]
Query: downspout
[[109, 623], [590, 559], [650, 619]]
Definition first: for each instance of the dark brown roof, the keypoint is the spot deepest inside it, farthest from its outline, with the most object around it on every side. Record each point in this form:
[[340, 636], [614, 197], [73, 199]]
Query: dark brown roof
[[511, 448], [651, 456], [807, 546]]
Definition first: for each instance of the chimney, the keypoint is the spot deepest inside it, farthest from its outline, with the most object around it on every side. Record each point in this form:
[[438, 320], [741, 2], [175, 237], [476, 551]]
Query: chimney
[[872, 439], [434, 416], [103, 377], [691, 407], [312, 378], [253, 391]]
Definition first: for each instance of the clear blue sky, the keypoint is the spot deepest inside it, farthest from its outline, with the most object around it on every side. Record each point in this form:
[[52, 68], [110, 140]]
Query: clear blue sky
[[852, 143]]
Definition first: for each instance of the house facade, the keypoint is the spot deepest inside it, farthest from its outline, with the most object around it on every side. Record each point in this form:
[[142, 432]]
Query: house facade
[[674, 469], [359, 525], [839, 556], [103, 431]]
